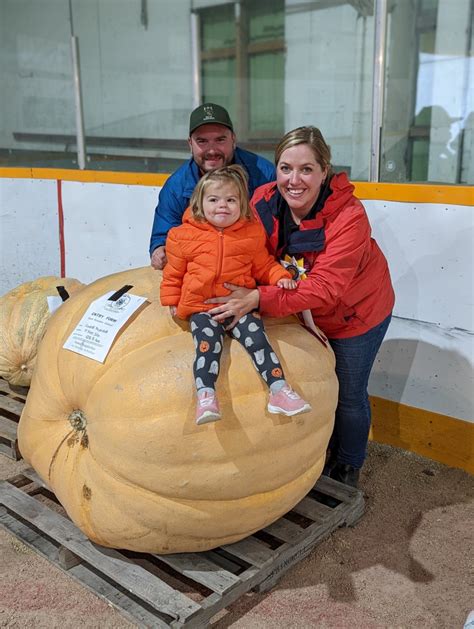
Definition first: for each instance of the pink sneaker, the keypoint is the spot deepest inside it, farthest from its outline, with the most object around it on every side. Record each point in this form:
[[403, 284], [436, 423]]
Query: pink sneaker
[[287, 402], [207, 408]]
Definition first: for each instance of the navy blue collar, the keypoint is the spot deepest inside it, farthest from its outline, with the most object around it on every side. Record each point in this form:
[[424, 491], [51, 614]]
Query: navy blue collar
[[291, 239]]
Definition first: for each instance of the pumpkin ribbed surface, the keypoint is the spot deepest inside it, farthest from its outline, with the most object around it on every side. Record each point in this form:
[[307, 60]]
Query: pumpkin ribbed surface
[[23, 316], [118, 444]]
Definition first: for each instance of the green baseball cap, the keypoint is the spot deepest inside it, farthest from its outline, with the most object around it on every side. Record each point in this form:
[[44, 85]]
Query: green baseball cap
[[209, 113]]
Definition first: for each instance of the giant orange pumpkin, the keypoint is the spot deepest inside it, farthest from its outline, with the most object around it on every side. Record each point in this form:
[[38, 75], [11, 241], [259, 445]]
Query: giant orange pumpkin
[[118, 444], [24, 313]]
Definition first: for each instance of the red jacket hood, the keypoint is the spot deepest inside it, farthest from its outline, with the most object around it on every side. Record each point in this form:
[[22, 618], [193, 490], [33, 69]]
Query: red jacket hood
[[342, 193]]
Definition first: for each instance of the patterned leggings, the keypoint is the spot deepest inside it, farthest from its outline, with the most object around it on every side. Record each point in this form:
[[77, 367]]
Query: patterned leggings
[[208, 338]]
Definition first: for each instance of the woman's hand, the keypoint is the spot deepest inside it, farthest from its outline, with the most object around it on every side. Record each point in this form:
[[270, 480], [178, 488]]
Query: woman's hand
[[173, 310], [240, 302]]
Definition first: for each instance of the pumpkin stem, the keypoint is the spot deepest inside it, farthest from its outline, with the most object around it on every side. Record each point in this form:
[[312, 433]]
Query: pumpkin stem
[[78, 420]]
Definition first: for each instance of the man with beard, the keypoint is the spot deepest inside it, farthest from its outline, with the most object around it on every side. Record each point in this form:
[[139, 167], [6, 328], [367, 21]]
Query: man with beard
[[213, 144]]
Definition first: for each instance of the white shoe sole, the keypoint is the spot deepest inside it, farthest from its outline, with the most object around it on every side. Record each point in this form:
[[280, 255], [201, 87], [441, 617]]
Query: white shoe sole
[[207, 417], [276, 410]]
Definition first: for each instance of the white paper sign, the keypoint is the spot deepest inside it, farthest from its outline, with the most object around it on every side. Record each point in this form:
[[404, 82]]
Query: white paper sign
[[95, 332], [54, 301]]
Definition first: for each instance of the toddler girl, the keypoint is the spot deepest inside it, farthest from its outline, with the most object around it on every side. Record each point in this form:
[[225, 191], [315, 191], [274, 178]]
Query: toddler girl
[[220, 241]]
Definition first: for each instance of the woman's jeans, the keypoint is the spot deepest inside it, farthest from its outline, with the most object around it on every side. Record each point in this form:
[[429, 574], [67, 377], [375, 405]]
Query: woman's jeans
[[354, 359]]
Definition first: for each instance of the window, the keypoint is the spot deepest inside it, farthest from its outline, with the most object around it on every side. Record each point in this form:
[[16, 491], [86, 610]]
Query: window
[[242, 64], [278, 65], [274, 64], [428, 125]]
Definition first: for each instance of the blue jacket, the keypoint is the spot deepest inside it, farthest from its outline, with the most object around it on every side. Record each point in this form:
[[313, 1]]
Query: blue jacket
[[176, 193]]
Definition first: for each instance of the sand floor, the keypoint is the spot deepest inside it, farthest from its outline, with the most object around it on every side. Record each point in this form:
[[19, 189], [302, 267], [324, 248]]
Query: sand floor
[[407, 563]]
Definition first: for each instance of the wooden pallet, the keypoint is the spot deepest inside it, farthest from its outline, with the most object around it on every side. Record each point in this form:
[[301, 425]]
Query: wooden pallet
[[180, 590], [12, 400]]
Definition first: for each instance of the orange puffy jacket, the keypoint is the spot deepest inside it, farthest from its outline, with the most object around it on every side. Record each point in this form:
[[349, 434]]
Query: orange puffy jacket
[[201, 258]]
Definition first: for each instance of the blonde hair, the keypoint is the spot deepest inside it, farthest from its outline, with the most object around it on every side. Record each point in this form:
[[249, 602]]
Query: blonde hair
[[312, 137], [226, 174]]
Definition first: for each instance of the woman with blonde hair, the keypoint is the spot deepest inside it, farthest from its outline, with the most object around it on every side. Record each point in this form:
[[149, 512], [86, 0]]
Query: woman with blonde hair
[[310, 215]]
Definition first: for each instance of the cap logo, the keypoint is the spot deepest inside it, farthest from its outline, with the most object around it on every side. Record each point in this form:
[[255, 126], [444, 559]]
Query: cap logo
[[208, 112]]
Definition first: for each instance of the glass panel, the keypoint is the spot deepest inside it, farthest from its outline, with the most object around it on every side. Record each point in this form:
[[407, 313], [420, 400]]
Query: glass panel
[[247, 69], [427, 131], [266, 68], [218, 27], [328, 76], [218, 34], [267, 75], [136, 83], [466, 136], [294, 63], [137, 87], [218, 83], [37, 111], [285, 64], [266, 20]]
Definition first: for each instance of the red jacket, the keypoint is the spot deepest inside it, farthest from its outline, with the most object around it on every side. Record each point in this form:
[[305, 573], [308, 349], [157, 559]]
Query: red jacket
[[201, 258], [348, 286]]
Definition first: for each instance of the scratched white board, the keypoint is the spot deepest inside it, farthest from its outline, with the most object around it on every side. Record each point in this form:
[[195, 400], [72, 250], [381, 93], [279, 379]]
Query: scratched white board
[[29, 245], [106, 227], [427, 357], [426, 366], [430, 254]]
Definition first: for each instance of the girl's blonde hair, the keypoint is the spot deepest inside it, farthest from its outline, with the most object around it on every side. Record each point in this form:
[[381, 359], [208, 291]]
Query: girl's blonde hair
[[227, 174], [311, 136]]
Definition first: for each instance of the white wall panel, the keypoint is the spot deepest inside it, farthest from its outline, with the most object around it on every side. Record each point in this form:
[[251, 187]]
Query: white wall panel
[[29, 245], [427, 357], [107, 227], [430, 253], [425, 366]]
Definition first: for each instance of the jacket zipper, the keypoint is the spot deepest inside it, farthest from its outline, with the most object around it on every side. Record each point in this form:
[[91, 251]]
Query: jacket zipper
[[220, 251]]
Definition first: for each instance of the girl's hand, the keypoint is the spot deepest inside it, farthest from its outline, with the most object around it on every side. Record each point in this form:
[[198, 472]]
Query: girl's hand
[[240, 302], [287, 283], [172, 311]]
